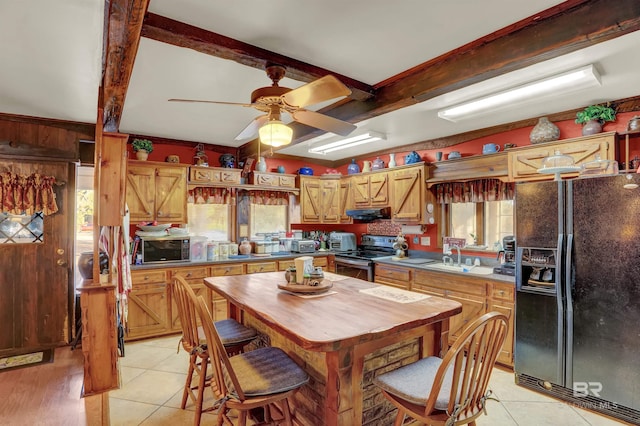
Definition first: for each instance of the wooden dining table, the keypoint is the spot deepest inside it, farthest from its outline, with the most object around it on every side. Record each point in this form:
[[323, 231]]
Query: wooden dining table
[[341, 337]]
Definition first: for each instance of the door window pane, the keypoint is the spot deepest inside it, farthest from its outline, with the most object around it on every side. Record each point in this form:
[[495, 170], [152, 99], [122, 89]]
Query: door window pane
[[21, 229]]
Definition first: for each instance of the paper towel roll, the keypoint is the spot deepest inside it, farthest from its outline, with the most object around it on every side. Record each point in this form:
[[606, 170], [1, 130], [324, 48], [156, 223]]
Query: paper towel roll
[[411, 229]]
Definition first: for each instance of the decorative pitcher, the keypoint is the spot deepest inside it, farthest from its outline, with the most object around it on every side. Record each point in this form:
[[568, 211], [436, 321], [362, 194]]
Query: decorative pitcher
[[377, 164], [366, 166]]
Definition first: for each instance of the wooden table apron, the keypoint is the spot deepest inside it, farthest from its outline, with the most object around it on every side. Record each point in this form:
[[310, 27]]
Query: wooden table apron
[[344, 325]]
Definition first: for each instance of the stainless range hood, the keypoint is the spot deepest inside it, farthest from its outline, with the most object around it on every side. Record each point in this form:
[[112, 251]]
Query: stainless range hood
[[368, 215]]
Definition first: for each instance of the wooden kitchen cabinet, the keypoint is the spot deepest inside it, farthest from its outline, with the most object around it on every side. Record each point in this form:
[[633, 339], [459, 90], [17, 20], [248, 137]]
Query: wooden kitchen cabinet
[[469, 291], [255, 268], [407, 185], [319, 199], [370, 189], [502, 300], [346, 200], [524, 162], [273, 179], [148, 305], [214, 175], [194, 277], [396, 276], [156, 191], [220, 310]]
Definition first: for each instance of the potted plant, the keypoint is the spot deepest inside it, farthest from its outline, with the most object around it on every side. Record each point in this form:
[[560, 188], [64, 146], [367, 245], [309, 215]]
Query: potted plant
[[593, 117], [142, 148]]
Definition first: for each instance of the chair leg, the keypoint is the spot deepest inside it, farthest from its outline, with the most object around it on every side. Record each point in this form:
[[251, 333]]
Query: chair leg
[[242, 418], [204, 362], [399, 418], [286, 412], [187, 385]]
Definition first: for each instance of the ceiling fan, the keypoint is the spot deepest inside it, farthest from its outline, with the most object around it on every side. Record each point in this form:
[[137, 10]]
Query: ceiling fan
[[275, 99]]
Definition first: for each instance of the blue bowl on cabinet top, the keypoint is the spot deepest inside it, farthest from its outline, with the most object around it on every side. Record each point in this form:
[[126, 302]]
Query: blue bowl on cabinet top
[[306, 171]]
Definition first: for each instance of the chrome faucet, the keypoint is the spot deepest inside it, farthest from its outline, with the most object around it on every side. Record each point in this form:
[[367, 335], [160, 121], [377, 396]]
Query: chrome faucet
[[450, 252], [446, 259]]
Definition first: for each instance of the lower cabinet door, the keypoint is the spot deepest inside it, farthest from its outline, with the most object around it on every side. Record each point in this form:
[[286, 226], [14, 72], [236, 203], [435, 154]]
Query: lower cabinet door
[[147, 311]]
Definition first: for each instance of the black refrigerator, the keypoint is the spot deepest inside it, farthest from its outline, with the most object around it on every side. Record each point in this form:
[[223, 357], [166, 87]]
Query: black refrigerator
[[577, 329]]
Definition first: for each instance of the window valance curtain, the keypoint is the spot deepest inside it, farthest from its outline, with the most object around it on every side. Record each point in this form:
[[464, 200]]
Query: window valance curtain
[[475, 191], [203, 195], [27, 194], [271, 198]]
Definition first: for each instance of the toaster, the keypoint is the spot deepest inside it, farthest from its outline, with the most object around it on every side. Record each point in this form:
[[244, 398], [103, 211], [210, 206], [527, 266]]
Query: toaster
[[303, 246], [342, 241]]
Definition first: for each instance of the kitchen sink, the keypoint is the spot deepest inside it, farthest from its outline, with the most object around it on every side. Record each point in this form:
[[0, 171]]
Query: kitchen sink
[[474, 270], [415, 260]]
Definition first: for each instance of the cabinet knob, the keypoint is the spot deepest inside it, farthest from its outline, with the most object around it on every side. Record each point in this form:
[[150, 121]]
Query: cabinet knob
[[188, 274], [160, 213]]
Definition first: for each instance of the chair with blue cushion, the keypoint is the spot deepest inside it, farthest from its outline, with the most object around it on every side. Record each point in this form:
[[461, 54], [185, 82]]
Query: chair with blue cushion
[[451, 390], [265, 377], [234, 335]]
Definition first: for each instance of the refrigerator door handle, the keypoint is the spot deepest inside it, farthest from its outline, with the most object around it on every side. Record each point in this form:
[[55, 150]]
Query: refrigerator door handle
[[568, 294]]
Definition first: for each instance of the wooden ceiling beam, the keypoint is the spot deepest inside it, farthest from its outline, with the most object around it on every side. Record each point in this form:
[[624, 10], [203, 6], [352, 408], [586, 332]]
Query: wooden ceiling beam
[[177, 33], [123, 25], [568, 27]]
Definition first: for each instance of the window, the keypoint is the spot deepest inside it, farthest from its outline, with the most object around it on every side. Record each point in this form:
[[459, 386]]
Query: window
[[21, 229], [488, 222], [268, 219], [209, 220]]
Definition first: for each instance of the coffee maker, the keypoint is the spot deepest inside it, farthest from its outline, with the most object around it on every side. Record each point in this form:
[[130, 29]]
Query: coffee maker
[[507, 257]]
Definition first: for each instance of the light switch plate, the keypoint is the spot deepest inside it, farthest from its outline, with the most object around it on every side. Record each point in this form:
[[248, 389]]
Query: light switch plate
[[425, 241]]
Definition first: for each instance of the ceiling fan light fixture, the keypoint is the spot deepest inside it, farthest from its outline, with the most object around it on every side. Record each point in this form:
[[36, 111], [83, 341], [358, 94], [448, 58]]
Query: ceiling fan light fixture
[[348, 142], [275, 133], [580, 78]]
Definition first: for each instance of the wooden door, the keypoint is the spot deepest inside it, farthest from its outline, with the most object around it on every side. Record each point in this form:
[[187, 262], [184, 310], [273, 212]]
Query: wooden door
[[379, 189], [360, 191], [330, 201], [310, 200], [171, 194], [346, 200], [34, 277], [148, 310], [141, 193], [407, 195]]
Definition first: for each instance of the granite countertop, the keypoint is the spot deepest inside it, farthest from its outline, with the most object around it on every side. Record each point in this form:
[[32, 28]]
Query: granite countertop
[[436, 265], [232, 259]]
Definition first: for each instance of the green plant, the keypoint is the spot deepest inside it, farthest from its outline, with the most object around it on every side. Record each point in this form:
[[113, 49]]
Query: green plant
[[142, 144], [601, 113]]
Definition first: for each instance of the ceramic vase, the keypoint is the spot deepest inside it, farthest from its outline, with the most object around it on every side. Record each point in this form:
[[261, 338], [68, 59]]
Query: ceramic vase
[[353, 167], [392, 160], [261, 165], [544, 131], [142, 155], [591, 127], [377, 164], [85, 263]]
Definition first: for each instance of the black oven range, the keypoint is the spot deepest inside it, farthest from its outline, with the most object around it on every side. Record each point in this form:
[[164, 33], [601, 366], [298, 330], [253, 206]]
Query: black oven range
[[359, 263]]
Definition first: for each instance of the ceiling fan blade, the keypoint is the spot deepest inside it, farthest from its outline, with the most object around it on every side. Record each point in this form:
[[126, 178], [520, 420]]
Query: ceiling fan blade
[[323, 122], [210, 102], [252, 129], [320, 90]]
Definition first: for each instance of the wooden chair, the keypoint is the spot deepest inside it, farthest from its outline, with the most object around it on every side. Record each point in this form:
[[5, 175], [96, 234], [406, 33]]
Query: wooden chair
[[452, 390], [234, 335], [265, 377]]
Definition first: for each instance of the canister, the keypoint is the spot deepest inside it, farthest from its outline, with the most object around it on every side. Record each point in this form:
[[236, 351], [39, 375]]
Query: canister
[[223, 251], [233, 249], [212, 251]]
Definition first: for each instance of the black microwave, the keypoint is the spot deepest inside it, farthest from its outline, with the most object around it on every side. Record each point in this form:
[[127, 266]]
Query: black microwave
[[165, 249]]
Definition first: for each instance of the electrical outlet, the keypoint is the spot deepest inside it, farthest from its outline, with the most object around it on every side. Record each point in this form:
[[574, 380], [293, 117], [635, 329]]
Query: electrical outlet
[[425, 241]]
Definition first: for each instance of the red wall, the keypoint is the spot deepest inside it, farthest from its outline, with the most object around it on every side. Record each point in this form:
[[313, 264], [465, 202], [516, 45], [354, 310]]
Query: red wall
[[520, 137]]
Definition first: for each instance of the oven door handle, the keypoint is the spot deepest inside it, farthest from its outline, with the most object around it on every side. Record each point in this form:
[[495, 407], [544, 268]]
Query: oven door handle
[[352, 262]]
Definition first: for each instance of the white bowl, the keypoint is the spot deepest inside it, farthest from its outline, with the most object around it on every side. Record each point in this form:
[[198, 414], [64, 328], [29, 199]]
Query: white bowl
[[155, 228], [178, 231]]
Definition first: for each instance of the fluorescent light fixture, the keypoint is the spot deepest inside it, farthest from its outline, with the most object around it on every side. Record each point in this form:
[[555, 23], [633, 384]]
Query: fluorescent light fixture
[[275, 133], [577, 79], [347, 143]]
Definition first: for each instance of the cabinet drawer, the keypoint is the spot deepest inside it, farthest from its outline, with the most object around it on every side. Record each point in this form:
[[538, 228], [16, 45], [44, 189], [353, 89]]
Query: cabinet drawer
[[389, 272], [221, 270], [283, 265], [273, 179], [253, 268], [191, 273], [148, 277], [503, 292], [214, 175]]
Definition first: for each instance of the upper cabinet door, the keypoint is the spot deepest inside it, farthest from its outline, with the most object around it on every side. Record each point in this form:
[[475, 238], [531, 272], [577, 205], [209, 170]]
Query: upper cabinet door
[[141, 186], [407, 195]]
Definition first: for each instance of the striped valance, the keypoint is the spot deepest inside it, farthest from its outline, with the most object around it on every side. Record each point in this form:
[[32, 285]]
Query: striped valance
[[474, 191], [205, 195]]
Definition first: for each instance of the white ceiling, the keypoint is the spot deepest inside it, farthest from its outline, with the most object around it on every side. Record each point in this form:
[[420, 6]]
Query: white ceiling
[[52, 51]]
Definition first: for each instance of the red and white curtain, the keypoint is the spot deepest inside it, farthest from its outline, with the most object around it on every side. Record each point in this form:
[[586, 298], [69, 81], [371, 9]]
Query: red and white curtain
[[204, 195], [270, 198], [20, 194], [474, 191]]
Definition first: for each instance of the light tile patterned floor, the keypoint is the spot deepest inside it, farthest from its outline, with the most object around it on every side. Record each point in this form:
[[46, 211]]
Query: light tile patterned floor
[[153, 373]]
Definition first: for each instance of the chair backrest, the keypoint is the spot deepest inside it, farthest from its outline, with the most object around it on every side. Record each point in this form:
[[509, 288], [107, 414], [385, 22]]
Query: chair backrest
[[180, 291], [470, 361], [224, 376]]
